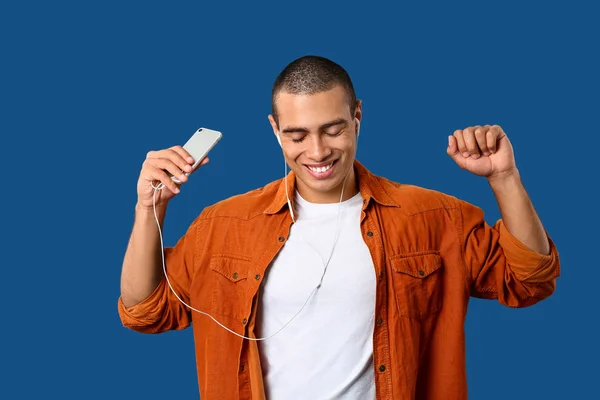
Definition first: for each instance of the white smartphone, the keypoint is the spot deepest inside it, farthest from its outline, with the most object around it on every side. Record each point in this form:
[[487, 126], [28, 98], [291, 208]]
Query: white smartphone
[[199, 145]]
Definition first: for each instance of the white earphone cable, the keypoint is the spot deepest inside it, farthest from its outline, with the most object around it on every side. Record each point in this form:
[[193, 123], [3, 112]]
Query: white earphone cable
[[210, 316], [160, 186]]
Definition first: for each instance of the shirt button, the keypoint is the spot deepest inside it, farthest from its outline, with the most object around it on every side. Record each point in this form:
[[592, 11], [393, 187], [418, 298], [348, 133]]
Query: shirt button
[[379, 321], [235, 275], [369, 233], [245, 321], [257, 277], [281, 238], [421, 272], [381, 368]]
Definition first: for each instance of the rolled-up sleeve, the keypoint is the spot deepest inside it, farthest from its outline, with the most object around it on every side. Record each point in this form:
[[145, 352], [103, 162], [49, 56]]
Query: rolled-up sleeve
[[501, 267], [162, 311]]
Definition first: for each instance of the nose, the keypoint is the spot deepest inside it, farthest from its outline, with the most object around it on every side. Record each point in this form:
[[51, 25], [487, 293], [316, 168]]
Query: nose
[[318, 149]]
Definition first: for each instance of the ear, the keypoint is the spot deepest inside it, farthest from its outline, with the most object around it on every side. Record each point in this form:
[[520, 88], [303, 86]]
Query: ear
[[358, 115], [275, 128], [358, 109]]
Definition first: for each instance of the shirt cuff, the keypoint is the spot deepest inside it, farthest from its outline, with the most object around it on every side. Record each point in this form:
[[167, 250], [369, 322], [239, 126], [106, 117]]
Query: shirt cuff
[[528, 265], [145, 312]]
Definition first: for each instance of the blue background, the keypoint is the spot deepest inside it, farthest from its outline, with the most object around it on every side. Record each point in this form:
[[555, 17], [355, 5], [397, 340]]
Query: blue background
[[87, 88]]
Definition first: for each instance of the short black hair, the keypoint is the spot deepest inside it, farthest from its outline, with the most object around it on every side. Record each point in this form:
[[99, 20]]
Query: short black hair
[[310, 75]]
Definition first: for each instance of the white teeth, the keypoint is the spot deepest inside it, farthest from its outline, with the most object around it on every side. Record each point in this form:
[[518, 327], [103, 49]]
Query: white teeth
[[320, 169]]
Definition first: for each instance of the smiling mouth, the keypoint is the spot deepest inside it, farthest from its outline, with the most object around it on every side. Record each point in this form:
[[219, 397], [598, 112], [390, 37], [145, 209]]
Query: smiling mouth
[[321, 168]]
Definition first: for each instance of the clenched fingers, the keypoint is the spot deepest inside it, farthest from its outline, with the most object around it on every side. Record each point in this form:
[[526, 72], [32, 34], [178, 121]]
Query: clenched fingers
[[169, 166], [153, 173], [176, 155], [480, 137], [462, 148], [470, 142], [478, 140]]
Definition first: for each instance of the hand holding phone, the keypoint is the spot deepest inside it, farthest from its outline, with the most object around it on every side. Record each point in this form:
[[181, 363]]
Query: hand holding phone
[[172, 166], [198, 147]]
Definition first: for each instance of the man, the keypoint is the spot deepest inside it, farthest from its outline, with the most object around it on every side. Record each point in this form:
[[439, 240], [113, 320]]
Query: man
[[334, 283]]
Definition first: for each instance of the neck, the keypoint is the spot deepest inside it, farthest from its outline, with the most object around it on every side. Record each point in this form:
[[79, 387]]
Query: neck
[[333, 195]]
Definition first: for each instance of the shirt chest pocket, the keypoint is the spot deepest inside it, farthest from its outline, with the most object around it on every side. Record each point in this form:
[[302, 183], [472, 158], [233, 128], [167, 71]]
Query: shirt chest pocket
[[229, 283], [417, 284]]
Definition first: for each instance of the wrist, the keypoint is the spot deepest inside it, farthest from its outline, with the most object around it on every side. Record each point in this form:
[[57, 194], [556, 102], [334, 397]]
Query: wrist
[[144, 210], [504, 179], [507, 175]]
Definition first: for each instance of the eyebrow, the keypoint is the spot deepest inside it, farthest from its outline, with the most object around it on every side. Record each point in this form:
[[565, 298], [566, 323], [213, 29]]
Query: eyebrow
[[298, 129]]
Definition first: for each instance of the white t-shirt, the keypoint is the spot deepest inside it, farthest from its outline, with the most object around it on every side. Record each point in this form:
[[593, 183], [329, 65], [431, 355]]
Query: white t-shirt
[[326, 352]]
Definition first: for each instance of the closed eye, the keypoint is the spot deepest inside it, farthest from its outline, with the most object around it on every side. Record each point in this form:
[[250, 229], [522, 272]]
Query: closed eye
[[339, 123], [298, 140], [332, 134], [338, 133]]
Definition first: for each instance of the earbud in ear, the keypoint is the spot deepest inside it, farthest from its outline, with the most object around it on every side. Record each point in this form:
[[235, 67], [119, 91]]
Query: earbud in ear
[[279, 140], [357, 126]]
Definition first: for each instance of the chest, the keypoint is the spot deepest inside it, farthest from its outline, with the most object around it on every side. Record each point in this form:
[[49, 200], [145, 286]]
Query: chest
[[328, 257], [371, 245]]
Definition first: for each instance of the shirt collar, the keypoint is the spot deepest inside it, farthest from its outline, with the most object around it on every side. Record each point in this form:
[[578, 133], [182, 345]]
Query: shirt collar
[[368, 185]]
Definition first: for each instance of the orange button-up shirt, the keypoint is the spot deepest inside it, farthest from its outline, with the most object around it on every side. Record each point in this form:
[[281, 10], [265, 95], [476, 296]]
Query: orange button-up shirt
[[431, 252]]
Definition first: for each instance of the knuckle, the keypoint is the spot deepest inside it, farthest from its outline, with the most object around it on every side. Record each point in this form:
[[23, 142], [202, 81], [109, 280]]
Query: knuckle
[[164, 177], [179, 161], [154, 162], [170, 152], [176, 152], [177, 158], [169, 163], [147, 165]]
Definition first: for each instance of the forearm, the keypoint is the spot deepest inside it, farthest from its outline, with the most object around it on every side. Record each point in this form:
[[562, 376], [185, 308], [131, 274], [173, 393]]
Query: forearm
[[518, 213], [142, 265]]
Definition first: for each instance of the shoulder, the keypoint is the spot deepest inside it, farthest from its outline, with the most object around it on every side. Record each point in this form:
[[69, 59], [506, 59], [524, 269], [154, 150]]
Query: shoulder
[[245, 205], [414, 199]]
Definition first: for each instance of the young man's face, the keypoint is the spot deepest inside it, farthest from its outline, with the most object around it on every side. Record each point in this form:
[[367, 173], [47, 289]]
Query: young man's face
[[318, 136]]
